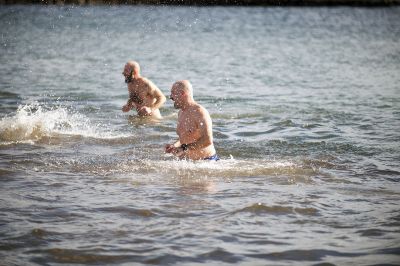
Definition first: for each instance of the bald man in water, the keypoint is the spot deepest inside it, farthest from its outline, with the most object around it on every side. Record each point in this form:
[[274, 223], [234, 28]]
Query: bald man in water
[[144, 96], [194, 126]]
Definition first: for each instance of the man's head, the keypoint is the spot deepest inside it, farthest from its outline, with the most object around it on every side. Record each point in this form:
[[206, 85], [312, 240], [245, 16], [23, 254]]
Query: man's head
[[181, 93], [131, 70]]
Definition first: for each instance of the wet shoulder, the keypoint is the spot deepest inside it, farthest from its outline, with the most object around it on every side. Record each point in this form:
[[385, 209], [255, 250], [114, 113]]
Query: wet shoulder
[[196, 108], [201, 110], [147, 81]]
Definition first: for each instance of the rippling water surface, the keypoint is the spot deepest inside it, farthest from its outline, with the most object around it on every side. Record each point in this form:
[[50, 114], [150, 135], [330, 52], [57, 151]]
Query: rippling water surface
[[306, 110]]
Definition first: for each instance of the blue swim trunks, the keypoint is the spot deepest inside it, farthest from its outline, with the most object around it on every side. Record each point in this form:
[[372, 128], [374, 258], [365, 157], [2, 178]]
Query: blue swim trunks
[[215, 157]]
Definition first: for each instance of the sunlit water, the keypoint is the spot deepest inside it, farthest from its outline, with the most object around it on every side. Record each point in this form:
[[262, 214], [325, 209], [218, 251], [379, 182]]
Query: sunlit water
[[306, 110]]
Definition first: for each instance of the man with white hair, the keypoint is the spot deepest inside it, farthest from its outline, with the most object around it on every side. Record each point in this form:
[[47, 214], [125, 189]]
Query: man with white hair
[[194, 126], [144, 96]]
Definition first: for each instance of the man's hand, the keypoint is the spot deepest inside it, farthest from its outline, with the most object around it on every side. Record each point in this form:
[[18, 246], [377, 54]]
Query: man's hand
[[177, 151], [169, 148], [126, 108], [144, 111]]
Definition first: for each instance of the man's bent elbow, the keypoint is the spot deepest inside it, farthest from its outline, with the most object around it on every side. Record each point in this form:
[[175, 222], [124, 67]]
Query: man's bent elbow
[[163, 99], [160, 100]]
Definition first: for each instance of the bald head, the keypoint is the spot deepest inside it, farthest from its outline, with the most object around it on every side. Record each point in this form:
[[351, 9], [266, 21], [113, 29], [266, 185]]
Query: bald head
[[182, 93], [133, 66], [131, 71], [183, 86]]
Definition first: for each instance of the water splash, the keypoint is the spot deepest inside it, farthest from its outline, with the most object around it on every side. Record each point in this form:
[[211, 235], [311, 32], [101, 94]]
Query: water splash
[[119, 165], [34, 121]]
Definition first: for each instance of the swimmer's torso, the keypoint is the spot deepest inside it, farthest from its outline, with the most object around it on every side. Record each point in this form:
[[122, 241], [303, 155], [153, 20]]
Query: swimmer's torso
[[140, 93], [188, 130]]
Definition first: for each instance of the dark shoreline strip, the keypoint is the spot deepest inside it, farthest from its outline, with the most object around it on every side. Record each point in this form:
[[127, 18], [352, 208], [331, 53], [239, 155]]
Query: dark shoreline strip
[[371, 3]]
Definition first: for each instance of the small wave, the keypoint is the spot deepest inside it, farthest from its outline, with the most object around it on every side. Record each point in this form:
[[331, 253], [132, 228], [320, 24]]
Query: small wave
[[35, 237], [42, 233], [303, 255], [33, 122], [4, 94], [236, 116], [371, 232], [128, 211], [61, 255], [5, 172], [259, 208], [220, 254]]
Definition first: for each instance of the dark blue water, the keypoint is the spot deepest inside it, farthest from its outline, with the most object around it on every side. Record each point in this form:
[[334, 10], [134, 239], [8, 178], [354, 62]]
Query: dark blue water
[[306, 111]]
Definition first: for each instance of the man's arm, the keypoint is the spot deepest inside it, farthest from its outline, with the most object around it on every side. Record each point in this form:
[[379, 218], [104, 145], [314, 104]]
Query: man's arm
[[158, 95], [155, 93], [128, 106]]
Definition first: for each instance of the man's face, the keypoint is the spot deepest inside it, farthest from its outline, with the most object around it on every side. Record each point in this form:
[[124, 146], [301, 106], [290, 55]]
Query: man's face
[[176, 96], [127, 74]]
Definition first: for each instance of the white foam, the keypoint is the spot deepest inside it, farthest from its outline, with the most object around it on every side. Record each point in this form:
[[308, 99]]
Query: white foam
[[223, 167]]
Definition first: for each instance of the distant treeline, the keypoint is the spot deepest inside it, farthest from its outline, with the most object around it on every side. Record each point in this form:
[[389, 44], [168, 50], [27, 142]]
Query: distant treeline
[[209, 2]]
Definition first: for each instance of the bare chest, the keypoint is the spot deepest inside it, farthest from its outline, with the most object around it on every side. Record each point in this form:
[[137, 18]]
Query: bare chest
[[138, 92], [186, 126]]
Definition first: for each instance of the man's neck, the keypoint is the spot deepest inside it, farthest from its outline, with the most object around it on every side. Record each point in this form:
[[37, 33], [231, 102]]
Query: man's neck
[[132, 79], [136, 77], [188, 104]]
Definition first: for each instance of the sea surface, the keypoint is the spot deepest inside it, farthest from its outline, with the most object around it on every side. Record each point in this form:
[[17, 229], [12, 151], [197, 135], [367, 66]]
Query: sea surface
[[305, 104]]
